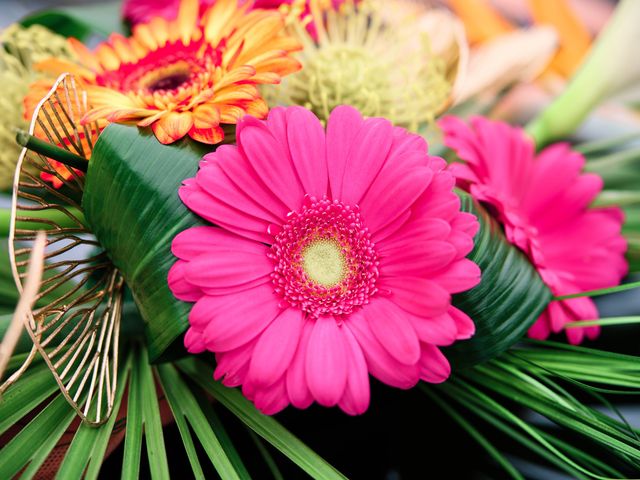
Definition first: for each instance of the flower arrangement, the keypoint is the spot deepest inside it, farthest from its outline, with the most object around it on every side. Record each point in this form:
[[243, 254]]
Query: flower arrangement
[[239, 228]]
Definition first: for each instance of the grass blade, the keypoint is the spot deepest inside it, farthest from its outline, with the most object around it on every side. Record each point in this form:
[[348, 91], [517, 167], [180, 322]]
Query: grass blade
[[267, 427]]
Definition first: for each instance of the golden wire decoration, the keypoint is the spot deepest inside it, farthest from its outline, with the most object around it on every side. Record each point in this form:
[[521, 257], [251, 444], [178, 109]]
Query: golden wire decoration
[[76, 320]]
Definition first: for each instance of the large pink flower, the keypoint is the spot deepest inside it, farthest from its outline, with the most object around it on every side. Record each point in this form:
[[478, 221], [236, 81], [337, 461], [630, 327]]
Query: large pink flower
[[543, 201], [336, 256]]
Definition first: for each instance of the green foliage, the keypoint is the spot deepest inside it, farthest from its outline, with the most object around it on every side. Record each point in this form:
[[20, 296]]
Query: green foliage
[[80, 21], [131, 203], [507, 301]]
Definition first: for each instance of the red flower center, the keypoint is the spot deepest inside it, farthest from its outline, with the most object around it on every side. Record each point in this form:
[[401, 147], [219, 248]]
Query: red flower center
[[167, 69], [325, 261]]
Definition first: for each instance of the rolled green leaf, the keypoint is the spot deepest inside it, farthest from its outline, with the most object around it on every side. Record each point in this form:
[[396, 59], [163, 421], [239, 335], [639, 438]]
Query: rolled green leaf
[[508, 300], [131, 203]]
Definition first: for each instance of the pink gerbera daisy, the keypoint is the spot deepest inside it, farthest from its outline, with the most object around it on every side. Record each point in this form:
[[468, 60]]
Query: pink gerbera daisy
[[543, 201], [336, 256]]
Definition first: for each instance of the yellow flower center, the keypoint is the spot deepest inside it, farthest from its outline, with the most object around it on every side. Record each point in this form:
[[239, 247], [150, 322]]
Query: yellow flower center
[[324, 262]]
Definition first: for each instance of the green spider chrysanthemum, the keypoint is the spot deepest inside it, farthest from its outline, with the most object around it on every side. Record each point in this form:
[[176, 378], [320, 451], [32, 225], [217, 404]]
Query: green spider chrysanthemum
[[21, 49], [357, 60]]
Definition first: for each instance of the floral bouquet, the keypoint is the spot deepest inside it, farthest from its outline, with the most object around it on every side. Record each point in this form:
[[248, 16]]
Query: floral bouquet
[[238, 228]]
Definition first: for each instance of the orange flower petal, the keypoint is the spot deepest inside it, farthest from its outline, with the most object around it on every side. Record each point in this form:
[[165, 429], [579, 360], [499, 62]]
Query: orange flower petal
[[172, 127], [258, 108], [122, 48], [206, 116], [211, 135], [107, 57], [230, 113], [575, 39], [142, 34], [482, 22], [187, 18], [84, 54]]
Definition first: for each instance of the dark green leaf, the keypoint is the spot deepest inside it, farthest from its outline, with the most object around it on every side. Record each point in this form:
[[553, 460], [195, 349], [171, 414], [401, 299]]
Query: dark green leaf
[[80, 21], [265, 426], [34, 442], [508, 300], [131, 203]]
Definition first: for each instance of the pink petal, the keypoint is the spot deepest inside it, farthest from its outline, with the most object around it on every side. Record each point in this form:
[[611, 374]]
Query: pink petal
[[416, 295], [392, 193], [194, 342], [434, 366], [366, 158], [233, 365], [342, 128], [232, 320], [355, 400], [239, 171], [416, 230], [459, 276], [380, 363], [326, 363], [297, 388], [224, 215], [307, 146], [275, 348], [440, 330], [179, 286], [272, 399], [466, 327], [393, 330], [419, 260], [225, 269], [195, 241], [212, 179], [267, 157]]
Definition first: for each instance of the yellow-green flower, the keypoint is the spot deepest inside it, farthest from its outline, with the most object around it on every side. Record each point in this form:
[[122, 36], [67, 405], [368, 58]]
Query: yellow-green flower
[[358, 59], [21, 49]]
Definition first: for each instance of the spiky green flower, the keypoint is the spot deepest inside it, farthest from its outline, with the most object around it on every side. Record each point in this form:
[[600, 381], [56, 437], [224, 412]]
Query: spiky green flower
[[21, 49], [360, 61]]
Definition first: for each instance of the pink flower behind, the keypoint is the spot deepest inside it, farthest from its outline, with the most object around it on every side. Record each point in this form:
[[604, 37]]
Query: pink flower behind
[[336, 256], [142, 11], [543, 202]]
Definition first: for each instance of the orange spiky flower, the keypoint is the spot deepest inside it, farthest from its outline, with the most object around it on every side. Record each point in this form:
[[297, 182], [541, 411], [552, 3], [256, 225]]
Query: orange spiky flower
[[187, 76]]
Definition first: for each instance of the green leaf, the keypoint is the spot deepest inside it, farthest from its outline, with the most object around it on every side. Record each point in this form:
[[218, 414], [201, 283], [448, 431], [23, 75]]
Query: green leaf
[[80, 21], [33, 388], [265, 426], [131, 203], [187, 412], [508, 300], [33, 443], [90, 443], [143, 414]]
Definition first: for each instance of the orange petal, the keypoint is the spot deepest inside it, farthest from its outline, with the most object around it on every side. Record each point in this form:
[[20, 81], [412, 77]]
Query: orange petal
[[206, 116], [84, 54], [482, 22], [187, 18], [211, 135], [122, 48], [172, 127], [107, 57], [575, 39], [142, 34], [230, 113], [257, 108]]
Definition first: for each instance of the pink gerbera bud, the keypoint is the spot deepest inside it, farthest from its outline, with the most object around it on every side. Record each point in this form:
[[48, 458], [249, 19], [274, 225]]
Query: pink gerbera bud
[[544, 201], [335, 257]]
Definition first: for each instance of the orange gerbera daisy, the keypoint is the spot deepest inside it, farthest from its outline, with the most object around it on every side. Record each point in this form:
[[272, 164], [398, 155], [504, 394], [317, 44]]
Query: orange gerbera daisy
[[187, 76]]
